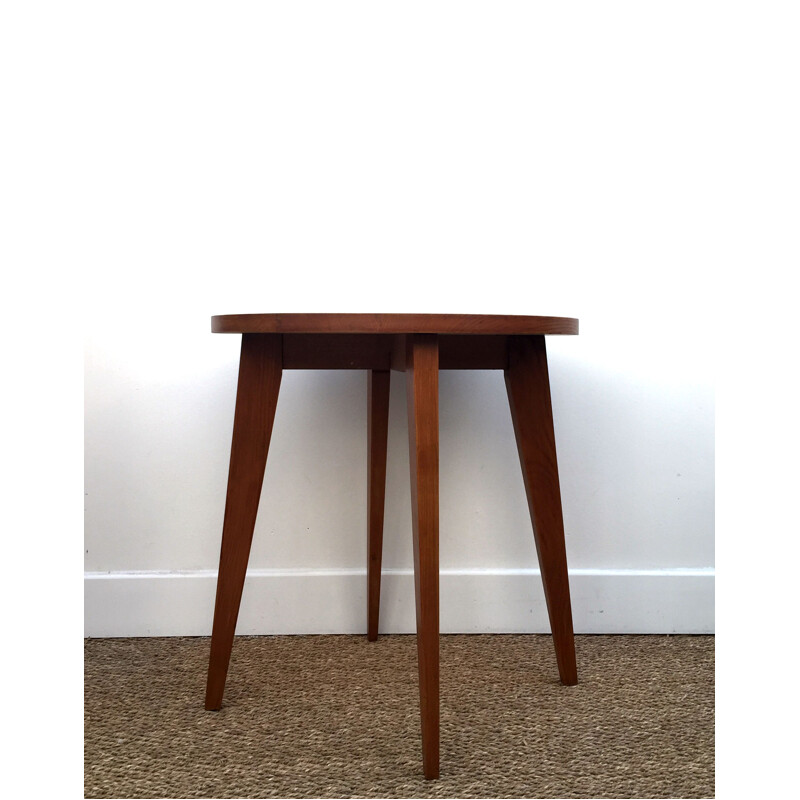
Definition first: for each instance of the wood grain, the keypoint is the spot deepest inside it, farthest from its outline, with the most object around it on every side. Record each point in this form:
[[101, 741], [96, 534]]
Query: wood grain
[[393, 323], [528, 385], [256, 400], [377, 437], [422, 388]]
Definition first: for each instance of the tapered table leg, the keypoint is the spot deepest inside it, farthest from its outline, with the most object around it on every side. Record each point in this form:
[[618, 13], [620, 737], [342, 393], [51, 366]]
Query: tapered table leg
[[256, 399], [377, 436], [422, 377], [528, 385]]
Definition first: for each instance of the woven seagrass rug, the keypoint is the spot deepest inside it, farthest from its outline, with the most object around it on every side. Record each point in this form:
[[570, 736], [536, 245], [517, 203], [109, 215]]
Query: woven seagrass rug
[[337, 716]]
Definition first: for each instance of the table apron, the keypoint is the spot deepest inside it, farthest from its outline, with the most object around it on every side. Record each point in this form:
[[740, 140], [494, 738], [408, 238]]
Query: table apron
[[382, 351]]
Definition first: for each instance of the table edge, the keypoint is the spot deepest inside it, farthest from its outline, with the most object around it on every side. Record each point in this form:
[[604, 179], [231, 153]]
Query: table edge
[[485, 324]]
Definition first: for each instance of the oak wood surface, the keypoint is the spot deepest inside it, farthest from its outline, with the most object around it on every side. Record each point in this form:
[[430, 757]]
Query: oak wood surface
[[422, 389], [528, 388], [377, 437], [392, 323], [256, 400]]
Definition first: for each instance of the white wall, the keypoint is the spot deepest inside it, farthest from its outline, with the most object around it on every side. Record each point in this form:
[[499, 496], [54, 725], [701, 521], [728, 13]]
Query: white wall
[[476, 158]]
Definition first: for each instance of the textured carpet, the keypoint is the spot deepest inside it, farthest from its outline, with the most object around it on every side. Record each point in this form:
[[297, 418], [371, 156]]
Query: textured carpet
[[336, 716]]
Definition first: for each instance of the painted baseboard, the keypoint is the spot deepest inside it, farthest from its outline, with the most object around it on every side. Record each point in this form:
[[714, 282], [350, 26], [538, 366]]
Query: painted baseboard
[[334, 601]]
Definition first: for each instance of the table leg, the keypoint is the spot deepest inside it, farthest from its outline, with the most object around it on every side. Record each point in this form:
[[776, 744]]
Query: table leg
[[377, 436], [256, 399], [528, 385], [422, 379]]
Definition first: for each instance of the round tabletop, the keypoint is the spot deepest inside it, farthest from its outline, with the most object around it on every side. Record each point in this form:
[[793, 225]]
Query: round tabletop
[[501, 324]]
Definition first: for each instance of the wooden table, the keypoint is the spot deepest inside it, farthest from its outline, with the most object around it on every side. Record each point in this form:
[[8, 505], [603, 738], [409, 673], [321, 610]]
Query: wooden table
[[419, 345]]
